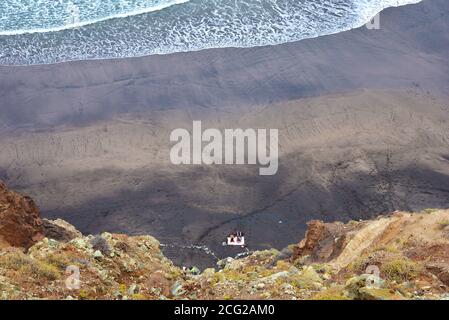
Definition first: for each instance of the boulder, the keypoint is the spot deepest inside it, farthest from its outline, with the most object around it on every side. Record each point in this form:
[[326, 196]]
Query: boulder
[[60, 230], [441, 270], [309, 275]]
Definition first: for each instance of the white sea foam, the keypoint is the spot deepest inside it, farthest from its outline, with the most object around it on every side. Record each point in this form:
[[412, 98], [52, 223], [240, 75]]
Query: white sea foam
[[146, 27], [38, 16]]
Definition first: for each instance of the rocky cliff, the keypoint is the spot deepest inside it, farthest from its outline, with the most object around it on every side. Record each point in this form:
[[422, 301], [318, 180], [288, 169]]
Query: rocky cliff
[[397, 256], [20, 224]]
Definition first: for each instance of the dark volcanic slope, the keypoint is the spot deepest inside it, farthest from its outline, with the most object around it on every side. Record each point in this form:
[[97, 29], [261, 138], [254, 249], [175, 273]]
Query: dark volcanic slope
[[343, 156], [98, 153]]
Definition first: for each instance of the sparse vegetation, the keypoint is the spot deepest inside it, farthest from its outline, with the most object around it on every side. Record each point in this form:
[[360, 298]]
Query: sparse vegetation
[[25, 265], [391, 248], [392, 264], [134, 267], [61, 261], [332, 293], [400, 270]]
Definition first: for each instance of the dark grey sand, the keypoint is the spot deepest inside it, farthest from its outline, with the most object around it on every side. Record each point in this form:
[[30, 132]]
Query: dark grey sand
[[362, 115], [410, 49]]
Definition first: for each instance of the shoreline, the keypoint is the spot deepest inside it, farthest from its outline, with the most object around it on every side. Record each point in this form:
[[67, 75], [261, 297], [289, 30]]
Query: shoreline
[[214, 78], [224, 47]]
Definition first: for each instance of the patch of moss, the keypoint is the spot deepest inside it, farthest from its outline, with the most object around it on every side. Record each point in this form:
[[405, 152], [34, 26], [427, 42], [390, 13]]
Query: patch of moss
[[332, 293], [353, 223], [122, 289], [46, 270], [358, 265], [234, 275], [298, 283], [379, 294], [282, 265], [217, 278], [138, 296], [84, 295]]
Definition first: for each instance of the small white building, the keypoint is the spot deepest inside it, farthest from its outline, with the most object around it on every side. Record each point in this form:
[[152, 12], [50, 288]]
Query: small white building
[[236, 239]]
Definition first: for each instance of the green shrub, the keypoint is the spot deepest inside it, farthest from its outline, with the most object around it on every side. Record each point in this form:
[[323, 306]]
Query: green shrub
[[26, 265], [400, 270]]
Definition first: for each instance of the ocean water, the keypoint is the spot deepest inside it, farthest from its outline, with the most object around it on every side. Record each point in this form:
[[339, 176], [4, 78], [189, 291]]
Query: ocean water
[[51, 31]]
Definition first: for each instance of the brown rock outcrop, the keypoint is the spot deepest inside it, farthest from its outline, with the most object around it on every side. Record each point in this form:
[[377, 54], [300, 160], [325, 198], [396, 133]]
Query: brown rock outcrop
[[323, 241], [20, 224], [60, 230], [441, 270]]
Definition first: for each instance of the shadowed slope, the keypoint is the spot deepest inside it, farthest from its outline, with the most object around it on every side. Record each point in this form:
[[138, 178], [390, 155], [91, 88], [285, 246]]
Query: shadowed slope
[[348, 156]]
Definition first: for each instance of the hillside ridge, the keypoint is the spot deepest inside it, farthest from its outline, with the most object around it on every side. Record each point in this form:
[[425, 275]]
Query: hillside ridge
[[396, 256]]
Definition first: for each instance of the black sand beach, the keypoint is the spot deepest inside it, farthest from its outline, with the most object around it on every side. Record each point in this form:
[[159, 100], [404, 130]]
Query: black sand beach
[[410, 49], [362, 115]]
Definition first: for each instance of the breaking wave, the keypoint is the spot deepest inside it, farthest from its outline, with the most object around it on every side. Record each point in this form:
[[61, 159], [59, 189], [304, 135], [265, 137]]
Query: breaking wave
[[42, 31]]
